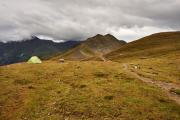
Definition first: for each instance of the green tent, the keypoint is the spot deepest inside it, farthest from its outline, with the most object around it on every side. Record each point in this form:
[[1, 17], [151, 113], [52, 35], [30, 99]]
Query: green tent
[[34, 60]]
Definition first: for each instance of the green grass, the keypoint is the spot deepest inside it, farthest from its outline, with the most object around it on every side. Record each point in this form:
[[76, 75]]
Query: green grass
[[79, 90]]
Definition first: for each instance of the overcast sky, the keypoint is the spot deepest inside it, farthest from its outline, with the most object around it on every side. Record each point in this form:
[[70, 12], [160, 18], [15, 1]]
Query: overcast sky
[[79, 19]]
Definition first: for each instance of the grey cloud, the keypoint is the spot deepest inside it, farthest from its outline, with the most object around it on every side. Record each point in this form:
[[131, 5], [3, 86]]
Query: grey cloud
[[79, 19]]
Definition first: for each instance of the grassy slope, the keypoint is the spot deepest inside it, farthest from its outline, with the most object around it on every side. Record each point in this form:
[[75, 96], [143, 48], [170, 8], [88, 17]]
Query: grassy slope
[[151, 46], [158, 56], [79, 90], [164, 68]]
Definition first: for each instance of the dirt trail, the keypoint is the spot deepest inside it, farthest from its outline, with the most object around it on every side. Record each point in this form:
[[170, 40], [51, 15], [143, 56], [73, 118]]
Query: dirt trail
[[103, 58], [165, 86]]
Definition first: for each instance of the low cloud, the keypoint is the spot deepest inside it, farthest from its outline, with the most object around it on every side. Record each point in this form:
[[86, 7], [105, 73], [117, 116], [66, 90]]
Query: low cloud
[[79, 19]]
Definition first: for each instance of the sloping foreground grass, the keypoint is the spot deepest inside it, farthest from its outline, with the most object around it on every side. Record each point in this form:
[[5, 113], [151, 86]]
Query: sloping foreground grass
[[79, 90]]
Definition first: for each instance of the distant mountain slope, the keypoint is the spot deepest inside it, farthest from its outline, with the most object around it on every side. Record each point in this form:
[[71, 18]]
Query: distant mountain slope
[[13, 52], [150, 46], [93, 47]]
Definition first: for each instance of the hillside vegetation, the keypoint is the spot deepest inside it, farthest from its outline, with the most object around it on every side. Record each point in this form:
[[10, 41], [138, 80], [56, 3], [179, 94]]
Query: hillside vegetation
[[138, 81], [157, 56], [154, 45], [80, 90]]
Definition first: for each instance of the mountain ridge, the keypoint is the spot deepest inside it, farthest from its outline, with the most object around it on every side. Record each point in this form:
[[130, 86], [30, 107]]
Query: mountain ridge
[[95, 46]]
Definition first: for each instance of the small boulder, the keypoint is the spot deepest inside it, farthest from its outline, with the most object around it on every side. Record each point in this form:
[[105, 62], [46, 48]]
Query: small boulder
[[61, 60]]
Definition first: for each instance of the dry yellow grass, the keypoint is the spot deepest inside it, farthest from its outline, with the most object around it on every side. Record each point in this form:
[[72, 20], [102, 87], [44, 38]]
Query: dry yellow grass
[[79, 90], [164, 68], [157, 55], [154, 45]]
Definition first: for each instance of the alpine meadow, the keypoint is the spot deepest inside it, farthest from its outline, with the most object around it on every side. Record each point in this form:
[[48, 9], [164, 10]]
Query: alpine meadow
[[89, 60]]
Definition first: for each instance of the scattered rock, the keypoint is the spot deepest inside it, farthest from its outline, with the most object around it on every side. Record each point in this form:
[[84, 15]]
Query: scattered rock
[[136, 67], [49, 114], [61, 60], [175, 91]]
